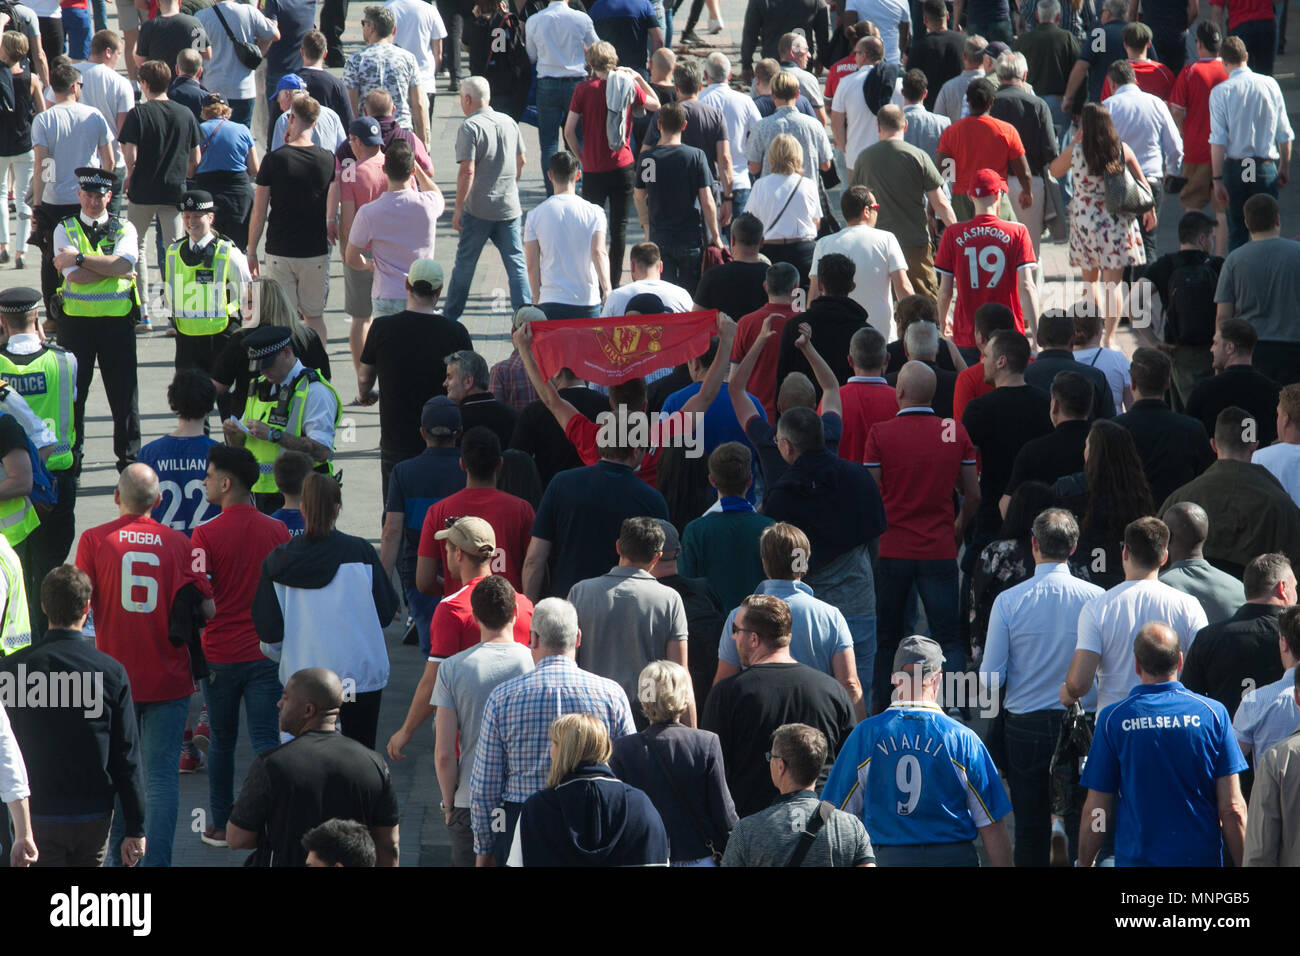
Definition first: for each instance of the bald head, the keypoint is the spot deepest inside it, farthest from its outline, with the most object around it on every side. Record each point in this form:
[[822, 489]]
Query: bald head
[[311, 701], [1189, 526], [1157, 652], [916, 385], [320, 687], [890, 119], [137, 489]]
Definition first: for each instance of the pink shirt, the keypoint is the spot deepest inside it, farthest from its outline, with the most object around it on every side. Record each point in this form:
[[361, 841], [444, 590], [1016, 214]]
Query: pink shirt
[[396, 229], [361, 182]]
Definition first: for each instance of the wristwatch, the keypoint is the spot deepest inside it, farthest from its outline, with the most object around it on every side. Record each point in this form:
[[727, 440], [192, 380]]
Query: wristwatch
[[727, 198], [274, 434], [81, 257]]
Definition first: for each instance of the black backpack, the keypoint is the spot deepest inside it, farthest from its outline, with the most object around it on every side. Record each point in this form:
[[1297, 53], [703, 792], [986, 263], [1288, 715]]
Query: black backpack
[[878, 91], [1189, 307]]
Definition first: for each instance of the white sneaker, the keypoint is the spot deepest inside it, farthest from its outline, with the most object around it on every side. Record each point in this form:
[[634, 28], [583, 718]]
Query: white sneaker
[[716, 26], [1060, 844]]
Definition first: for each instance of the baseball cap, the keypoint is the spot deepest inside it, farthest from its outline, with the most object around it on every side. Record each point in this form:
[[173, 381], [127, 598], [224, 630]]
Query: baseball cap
[[672, 541], [367, 130], [426, 271], [985, 182], [646, 303], [919, 650], [529, 313], [215, 99], [290, 81], [996, 49], [440, 412], [473, 535]]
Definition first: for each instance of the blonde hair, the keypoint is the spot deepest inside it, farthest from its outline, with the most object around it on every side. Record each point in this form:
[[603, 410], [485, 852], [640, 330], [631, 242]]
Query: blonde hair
[[579, 739], [273, 307], [664, 691], [602, 57], [785, 156], [14, 45]]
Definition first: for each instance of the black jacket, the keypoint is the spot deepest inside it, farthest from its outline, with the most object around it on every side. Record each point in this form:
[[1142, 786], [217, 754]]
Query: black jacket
[[1226, 656], [772, 19], [834, 319], [1174, 448], [835, 502], [82, 745], [1043, 369]]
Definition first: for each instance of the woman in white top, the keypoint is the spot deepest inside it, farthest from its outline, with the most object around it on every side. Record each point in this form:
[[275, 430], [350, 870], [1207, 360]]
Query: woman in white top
[[786, 202]]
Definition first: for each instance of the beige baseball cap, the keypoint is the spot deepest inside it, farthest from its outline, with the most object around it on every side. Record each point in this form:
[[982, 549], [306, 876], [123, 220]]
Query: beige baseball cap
[[472, 535]]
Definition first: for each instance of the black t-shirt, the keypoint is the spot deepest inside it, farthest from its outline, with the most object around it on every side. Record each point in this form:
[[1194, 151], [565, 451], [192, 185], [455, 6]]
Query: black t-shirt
[[1243, 386], [1000, 424], [735, 288], [938, 56], [11, 435], [1051, 457], [898, 357], [745, 709], [539, 434], [483, 410], [672, 177], [407, 349], [163, 37], [1174, 448], [233, 369], [164, 133], [318, 776], [706, 127], [641, 125], [299, 178]]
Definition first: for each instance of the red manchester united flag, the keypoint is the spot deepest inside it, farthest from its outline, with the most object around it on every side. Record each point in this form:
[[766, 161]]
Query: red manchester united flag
[[612, 350]]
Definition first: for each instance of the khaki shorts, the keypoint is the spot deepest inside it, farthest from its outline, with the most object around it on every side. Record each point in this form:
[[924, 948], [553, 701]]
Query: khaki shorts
[[1199, 191], [356, 291], [128, 18], [306, 281]]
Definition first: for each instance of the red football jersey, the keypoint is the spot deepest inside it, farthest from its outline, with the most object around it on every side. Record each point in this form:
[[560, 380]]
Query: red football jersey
[[136, 567], [984, 256], [1152, 77], [511, 519], [454, 629]]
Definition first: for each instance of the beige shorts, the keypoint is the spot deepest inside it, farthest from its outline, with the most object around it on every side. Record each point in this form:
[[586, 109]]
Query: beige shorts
[[356, 291], [1199, 191], [128, 17], [305, 280]]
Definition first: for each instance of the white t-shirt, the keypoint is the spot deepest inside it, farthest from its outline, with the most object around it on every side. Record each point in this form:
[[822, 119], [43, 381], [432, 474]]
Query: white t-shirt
[[109, 92], [1283, 461], [740, 113], [564, 227], [876, 255], [887, 15], [674, 297], [418, 25], [800, 218], [72, 134], [860, 129], [1114, 364], [1109, 622]]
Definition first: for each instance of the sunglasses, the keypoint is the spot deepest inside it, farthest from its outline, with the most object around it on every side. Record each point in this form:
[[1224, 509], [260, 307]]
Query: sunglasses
[[449, 523]]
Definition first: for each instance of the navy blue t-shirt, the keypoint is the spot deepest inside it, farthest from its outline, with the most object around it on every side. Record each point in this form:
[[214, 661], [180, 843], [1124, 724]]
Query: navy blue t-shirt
[[293, 18], [767, 106], [627, 25], [1103, 45], [672, 177], [181, 464], [418, 484], [292, 519]]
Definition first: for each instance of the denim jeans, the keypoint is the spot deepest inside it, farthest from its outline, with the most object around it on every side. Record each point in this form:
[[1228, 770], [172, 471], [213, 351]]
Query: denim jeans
[[863, 630], [739, 197], [162, 725], [241, 111], [681, 265], [379, 306], [474, 234], [1030, 739], [554, 93], [1243, 179], [562, 310], [257, 683], [936, 584], [997, 30], [422, 607]]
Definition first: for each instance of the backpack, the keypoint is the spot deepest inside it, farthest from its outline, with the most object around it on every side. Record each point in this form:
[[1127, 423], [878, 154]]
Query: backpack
[[878, 91], [514, 57], [1189, 305]]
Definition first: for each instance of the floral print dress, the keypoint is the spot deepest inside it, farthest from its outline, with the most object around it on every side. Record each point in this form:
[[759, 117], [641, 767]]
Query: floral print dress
[[1099, 240]]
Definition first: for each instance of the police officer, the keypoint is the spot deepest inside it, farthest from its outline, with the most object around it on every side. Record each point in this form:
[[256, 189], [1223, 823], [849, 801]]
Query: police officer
[[39, 390], [15, 627], [289, 406], [205, 275], [97, 253]]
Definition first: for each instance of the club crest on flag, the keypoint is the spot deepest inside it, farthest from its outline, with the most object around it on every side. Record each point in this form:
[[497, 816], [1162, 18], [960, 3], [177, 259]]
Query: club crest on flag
[[621, 343]]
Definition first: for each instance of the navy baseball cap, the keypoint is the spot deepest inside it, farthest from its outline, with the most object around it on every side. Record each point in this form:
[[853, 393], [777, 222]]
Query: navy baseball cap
[[440, 412], [367, 130]]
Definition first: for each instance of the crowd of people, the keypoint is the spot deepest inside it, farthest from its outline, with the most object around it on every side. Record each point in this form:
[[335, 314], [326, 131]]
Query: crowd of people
[[914, 536]]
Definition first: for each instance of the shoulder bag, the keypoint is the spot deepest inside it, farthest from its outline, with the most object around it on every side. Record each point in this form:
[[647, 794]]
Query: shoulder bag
[[1125, 196], [245, 52], [810, 831], [788, 199]]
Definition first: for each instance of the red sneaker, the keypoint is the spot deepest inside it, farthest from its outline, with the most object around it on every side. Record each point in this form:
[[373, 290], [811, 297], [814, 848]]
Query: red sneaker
[[202, 732], [192, 758]]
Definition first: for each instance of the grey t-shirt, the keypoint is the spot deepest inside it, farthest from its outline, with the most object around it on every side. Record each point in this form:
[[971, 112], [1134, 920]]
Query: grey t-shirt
[[72, 133], [463, 684], [769, 838], [1262, 281], [491, 139]]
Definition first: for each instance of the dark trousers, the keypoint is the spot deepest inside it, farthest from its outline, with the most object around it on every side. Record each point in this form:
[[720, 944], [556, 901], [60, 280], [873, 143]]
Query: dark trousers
[[1243, 178], [936, 584], [798, 254], [928, 854], [360, 717], [45, 218], [1030, 739], [681, 266], [333, 18], [615, 186], [1171, 49], [1260, 37], [241, 111], [69, 843], [1280, 361], [462, 838], [51, 37], [49, 545], [200, 351], [111, 342], [453, 18]]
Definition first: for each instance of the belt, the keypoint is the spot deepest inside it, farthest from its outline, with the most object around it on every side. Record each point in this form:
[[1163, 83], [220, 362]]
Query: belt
[[787, 242]]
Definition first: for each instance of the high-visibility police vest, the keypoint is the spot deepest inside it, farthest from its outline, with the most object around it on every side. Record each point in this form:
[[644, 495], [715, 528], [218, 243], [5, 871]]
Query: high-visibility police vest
[[200, 294], [275, 414], [110, 296], [47, 383], [18, 518], [17, 629]]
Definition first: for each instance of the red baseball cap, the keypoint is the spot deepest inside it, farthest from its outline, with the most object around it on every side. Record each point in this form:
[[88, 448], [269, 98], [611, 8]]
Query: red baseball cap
[[985, 182]]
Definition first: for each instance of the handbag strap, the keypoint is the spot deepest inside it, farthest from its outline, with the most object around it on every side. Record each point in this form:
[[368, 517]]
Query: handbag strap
[[788, 199], [697, 824], [810, 831], [203, 147]]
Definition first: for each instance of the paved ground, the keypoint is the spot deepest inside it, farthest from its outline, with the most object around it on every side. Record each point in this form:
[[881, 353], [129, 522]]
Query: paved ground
[[424, 838]]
